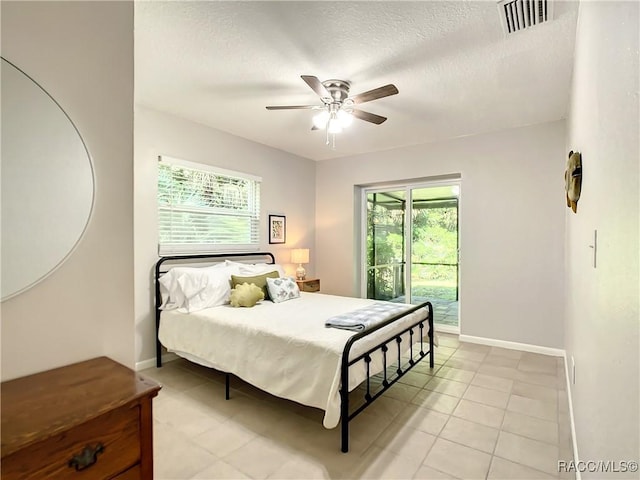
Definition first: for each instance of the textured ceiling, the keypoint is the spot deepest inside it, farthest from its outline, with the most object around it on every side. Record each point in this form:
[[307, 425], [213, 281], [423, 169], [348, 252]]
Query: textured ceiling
[[221, 63]]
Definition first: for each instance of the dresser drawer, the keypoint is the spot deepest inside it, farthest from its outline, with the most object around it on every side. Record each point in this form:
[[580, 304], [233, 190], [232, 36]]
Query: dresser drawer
[[118, 431], [134, 473]]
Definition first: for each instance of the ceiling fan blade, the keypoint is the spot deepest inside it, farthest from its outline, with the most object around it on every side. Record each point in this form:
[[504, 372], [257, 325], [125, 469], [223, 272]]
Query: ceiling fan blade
[[369, 117], [374, 94], [316, 85], [292, 107]]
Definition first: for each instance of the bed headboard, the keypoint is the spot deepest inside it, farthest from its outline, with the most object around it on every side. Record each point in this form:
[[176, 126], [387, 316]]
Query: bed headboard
[[202, 260], [164, 264]]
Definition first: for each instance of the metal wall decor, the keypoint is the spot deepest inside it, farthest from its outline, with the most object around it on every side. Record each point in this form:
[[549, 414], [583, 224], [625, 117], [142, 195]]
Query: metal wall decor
[[573, 180]]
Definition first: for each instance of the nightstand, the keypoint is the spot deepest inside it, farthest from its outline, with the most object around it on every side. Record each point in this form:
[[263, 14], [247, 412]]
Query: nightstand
[[309, 285]]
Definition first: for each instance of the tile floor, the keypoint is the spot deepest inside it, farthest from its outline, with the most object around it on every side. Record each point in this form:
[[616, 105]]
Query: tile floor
[[481, 413]]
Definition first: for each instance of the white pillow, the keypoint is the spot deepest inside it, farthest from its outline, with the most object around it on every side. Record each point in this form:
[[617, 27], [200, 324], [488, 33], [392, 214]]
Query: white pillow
[[282, 289], [181, 283], [231, 263], [172, 296], [209, 289], [260, 268]]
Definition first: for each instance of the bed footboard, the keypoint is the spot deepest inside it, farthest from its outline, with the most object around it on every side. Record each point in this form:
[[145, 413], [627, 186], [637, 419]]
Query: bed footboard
[[391, 347]]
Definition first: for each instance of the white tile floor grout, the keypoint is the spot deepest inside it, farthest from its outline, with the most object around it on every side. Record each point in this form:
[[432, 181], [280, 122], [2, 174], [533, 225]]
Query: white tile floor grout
[[481, 413]]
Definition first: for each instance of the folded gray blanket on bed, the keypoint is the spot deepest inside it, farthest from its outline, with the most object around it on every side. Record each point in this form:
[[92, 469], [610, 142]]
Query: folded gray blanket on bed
[[366, 317]]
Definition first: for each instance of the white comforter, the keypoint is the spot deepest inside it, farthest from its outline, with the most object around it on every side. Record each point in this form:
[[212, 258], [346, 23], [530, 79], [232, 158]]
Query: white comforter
[[282, 348]]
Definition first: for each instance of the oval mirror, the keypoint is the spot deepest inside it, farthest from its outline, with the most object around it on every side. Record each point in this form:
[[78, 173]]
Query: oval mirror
[[47, 183]]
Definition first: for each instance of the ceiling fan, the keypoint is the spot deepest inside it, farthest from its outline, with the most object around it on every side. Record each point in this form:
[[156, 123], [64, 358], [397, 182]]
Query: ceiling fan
[[338, 108]]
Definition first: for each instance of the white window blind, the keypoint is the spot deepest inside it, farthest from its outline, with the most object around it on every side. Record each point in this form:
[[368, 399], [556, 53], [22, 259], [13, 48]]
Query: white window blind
[[204, 209]]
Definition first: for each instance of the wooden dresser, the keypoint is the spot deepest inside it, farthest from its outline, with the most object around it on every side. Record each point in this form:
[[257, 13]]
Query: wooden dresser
[[89, 420]]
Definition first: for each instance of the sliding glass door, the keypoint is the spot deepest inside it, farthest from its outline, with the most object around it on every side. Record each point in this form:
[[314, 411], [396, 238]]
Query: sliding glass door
[[412, 244], [386, 249]]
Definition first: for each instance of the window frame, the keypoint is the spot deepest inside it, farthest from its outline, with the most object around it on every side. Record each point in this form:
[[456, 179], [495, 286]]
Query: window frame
[[173, 247]]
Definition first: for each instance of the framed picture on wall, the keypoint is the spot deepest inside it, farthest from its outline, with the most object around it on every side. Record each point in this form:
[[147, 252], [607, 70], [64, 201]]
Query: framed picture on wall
[[277, 229]]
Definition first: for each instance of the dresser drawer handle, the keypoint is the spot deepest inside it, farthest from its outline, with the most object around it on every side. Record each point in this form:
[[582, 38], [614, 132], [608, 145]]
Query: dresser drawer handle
[[87, 457]]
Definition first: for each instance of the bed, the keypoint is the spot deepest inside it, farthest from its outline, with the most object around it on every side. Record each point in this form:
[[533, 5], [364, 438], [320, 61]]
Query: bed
[[284, 347]]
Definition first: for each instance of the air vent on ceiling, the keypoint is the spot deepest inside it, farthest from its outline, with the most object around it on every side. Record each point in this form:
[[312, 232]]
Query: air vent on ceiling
[[517, 15]]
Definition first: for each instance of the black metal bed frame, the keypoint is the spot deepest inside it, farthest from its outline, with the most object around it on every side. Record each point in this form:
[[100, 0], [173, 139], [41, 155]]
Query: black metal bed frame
[[385, 347]]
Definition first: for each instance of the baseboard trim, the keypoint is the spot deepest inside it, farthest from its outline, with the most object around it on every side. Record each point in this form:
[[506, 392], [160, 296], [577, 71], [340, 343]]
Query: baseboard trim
[[526, 347], [151, 362], [574, 441]]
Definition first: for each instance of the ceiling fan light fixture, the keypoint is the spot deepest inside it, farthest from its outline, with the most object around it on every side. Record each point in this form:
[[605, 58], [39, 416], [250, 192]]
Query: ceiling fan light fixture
[[334, 125], [321, 119], [345, 118]]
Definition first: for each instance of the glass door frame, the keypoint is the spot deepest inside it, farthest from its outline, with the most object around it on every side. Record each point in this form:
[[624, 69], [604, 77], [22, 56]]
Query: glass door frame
[[408, 188]]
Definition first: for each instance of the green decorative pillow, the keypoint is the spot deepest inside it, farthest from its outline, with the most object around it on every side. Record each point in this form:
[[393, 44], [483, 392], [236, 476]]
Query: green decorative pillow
[[246, 295], [258, 280]]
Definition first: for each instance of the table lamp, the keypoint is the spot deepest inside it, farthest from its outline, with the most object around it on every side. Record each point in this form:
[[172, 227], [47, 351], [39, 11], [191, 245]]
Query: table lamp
[[300, 256]]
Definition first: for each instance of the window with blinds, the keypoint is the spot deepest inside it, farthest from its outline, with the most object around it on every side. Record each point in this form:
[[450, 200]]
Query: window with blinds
[[203, 209]]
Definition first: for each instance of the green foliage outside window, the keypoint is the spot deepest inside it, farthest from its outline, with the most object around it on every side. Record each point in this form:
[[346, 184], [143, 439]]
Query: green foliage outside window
[[206, 209], [434, 249]]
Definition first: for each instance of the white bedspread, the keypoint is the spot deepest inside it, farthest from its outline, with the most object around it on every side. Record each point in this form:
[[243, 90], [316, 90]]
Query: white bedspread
[[282, 348]]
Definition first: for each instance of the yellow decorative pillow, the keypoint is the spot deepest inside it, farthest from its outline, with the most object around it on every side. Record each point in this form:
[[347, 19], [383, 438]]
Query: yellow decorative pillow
[[258, 280], [246, 295]]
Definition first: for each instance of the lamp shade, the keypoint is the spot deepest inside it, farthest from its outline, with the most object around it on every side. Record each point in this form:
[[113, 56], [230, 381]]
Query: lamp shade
[[300, 255]]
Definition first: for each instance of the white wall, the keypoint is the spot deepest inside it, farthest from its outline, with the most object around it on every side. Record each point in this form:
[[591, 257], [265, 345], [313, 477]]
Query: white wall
[[602, 316], [511, 225], [82, 54], [287, 189]]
